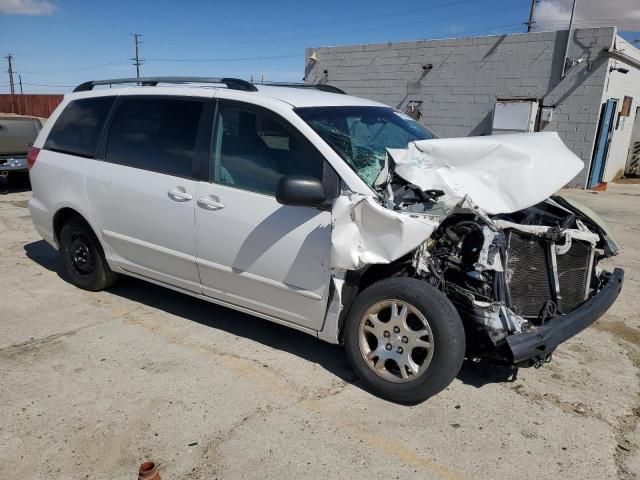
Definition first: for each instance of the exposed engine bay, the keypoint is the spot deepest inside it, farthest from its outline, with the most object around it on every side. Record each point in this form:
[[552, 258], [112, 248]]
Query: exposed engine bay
[[513, 260], [512, 273]]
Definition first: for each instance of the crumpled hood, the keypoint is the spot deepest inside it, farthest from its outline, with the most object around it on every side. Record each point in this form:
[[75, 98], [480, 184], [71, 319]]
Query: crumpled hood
[[496, 174], [501, 173]]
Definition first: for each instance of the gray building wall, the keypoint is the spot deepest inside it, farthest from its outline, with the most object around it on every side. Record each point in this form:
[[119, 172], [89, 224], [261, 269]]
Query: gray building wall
[[469, 74]]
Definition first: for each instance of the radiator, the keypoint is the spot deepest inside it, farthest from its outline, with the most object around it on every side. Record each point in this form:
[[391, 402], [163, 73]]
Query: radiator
[[531, 277], [573, 275]]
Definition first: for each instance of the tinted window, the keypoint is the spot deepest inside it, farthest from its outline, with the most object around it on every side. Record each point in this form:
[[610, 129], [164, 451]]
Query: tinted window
[[156, 134], [78, 127], [254, 149]]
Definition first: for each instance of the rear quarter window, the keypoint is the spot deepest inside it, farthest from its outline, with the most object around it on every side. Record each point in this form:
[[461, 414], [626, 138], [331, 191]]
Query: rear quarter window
[[77, 129], [156, 134]]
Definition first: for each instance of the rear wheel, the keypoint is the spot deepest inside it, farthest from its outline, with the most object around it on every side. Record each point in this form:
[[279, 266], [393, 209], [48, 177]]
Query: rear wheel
[[404, 339], [83, 257]]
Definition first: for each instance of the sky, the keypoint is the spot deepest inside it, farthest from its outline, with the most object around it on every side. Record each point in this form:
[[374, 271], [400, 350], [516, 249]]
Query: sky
[[58, 44]]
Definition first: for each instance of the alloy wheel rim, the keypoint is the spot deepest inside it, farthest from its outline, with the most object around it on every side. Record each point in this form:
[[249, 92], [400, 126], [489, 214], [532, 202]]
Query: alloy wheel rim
[[396, 341]]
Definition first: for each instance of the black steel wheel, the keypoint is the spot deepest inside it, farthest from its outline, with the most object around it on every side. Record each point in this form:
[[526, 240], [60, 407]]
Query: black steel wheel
[[83, 256]]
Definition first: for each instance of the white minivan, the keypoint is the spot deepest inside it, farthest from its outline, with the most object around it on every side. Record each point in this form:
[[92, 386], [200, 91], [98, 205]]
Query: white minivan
[[334, 215]]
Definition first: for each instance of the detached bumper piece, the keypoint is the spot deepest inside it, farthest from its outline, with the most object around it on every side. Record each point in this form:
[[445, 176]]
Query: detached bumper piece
[[533, 348]]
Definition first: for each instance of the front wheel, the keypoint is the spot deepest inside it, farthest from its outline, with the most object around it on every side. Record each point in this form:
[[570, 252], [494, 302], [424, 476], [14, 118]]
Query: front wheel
[[404, 339]]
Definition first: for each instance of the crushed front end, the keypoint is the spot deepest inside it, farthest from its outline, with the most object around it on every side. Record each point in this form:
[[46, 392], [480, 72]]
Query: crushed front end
[[523, 282], [478, 218]]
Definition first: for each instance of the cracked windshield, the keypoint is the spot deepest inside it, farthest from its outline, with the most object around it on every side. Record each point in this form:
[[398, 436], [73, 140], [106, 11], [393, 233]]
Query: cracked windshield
[[361, 135]]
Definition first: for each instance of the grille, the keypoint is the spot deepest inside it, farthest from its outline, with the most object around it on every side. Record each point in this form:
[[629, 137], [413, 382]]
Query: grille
[[528, 278], [573, 275]]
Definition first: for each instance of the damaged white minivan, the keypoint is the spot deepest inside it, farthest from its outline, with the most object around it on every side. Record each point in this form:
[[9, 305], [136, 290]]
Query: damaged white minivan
[[331, 214]]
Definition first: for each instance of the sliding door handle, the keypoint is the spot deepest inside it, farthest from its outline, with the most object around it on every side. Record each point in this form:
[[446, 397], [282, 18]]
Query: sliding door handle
[[179, 196], [208, 204]]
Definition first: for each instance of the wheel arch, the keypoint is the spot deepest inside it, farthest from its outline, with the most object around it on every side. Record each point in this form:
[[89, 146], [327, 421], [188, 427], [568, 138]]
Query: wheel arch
[[61, 217], [357, 281]]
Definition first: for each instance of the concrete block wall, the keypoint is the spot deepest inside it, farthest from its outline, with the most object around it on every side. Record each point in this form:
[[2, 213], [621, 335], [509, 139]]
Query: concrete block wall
[[469, 74]]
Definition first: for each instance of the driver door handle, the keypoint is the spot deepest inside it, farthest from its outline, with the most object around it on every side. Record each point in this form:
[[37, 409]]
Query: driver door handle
[[179, 196], [209, 204]]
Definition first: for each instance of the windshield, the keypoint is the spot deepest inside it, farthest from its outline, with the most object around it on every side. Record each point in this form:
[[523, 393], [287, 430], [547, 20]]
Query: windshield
[[361, 135]]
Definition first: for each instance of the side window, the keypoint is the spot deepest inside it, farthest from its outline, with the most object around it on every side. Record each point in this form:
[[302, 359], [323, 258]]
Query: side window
[[157, 134], [253, 149], [78, 127]]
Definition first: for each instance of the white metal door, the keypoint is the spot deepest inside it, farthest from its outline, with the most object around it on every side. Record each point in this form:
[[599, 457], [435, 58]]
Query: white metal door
[[147, 220], [142, 194], [258, 254]]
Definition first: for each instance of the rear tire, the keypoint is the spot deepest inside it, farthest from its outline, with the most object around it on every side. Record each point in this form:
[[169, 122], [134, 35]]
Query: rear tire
[[404, 339], [83, 256]]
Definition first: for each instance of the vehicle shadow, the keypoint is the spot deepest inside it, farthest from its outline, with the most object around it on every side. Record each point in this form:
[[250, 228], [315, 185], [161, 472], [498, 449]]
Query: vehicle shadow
[[479, 373], [330, 357]]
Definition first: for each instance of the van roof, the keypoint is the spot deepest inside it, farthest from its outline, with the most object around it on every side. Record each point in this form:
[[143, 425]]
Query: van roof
[[303, 97], [296, 95]]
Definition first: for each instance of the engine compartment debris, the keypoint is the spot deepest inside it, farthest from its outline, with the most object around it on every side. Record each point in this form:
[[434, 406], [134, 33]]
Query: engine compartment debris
[[479, 221]]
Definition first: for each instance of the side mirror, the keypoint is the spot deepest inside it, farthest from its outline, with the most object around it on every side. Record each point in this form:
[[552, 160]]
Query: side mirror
[[300, 191]]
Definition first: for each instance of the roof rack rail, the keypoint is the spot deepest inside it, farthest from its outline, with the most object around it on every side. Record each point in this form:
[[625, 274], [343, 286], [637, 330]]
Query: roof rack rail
[[318, 86], [231, 83]]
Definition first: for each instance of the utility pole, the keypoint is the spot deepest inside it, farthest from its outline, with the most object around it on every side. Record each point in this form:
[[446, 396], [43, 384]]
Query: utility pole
[[136, 61], [20, 82], [9, 58], [530, 23], [566, 48]]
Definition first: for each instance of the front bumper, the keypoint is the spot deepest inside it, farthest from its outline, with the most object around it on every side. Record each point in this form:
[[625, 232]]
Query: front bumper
[[532, 348], [13, 164]]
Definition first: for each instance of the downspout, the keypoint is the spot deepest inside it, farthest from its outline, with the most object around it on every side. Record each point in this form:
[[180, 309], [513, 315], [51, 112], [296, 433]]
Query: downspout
[[566, 48]]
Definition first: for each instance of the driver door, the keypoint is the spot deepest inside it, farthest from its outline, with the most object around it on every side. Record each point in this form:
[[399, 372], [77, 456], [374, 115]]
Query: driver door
[[253, 252]]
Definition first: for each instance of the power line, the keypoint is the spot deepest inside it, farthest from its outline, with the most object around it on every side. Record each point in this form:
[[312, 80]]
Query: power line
[[212, 60], [593, 20], [296, 55], [341, 19], [299, 32], [48, 85], [78, 69]]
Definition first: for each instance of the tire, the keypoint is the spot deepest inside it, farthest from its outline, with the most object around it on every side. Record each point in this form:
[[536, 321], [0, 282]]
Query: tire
[[19, 179], [83, 257], [437, 364]]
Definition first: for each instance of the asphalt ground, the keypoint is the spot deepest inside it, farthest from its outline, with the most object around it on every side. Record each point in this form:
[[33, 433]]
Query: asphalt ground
[[93, 384]]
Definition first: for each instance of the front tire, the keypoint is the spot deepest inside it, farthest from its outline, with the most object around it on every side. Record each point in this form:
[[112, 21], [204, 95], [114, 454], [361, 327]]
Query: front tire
[[83, 257], [404, 339]]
